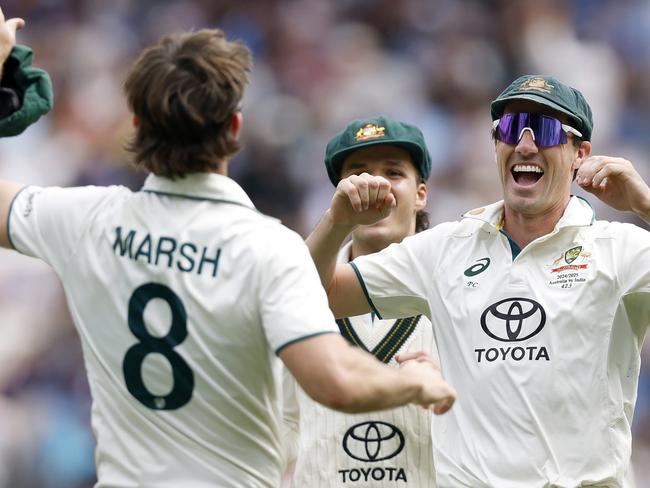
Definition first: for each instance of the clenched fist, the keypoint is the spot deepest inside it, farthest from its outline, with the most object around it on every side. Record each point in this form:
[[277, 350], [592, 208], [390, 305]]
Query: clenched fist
[[362, 200]]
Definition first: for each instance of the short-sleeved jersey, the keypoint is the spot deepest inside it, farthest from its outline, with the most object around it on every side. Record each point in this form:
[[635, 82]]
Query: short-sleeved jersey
[[182, 294], [374, 450], [542, 344]]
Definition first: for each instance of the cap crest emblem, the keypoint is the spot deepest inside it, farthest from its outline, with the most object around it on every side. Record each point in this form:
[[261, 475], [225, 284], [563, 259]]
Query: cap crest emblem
[[538, 84], [369, 131]]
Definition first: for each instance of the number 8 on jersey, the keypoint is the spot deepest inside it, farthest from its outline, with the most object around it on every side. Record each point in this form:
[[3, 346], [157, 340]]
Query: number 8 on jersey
[[183, 386]]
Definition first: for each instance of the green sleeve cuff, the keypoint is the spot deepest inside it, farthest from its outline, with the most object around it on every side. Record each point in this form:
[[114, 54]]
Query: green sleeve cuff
[[33, 87]]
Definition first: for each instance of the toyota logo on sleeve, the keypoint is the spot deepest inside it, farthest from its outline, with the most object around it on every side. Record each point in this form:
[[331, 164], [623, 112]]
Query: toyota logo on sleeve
[[373, 441], [513, 319]]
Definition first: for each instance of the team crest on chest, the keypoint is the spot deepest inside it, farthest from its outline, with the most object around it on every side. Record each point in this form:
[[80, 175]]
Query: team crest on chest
[[572, 254], [570, 268]]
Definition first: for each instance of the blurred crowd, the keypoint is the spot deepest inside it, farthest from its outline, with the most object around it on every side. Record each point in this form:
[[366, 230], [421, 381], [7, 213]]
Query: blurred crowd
[[318, 64]]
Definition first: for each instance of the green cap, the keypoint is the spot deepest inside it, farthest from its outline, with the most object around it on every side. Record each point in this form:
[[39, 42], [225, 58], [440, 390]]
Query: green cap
[[33, 86], [376, 130], [551, 93]]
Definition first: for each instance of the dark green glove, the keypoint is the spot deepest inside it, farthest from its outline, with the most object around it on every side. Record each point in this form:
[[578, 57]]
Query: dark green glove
[[25, 92]]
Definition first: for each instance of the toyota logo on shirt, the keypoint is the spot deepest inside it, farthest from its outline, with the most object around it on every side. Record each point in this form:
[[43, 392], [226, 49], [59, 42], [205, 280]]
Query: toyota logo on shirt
[[373, 441], [513, 319]]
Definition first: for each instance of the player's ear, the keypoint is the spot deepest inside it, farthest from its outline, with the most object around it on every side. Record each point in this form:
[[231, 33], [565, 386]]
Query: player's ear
[[584, 150], [235, 124], [421, 196]]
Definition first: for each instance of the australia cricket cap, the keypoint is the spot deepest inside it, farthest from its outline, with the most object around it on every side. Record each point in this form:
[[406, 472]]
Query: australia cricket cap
[[376, 130], [551, 93]]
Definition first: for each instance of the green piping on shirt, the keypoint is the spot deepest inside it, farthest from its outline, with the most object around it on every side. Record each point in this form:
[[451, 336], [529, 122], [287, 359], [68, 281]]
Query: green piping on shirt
[[279, 349], [593, 212], [365, 291]]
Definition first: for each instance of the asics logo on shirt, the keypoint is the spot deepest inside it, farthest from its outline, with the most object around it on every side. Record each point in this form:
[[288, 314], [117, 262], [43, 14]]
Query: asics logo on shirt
[[477, 268]]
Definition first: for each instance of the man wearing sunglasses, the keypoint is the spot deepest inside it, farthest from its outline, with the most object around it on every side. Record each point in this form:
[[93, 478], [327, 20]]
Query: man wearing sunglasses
[[539, 310]]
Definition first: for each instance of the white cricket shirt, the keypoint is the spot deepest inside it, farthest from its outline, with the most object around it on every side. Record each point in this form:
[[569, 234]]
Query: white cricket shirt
[[182, 294], [542, 346], [390, 448]]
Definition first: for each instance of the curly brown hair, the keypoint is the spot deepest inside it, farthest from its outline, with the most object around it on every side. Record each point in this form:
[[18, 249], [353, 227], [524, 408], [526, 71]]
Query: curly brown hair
[[184, 91]]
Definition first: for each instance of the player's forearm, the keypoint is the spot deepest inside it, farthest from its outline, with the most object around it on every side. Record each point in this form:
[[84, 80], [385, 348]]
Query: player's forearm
[[324, 243], [371, 385], [346, 379], [350, 380]]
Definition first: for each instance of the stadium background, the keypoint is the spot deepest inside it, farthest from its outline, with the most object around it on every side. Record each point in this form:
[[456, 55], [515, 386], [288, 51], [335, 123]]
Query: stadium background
[[434, 63]]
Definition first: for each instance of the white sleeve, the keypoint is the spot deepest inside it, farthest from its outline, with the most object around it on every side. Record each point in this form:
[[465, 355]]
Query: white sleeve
[[293, 302], [633, 246], [394, 279], [47, 223]]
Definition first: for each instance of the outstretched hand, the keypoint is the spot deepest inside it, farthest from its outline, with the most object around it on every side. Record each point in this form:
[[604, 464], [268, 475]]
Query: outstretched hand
[[362, 200], [616, 183], [437, 395], [8, 30]]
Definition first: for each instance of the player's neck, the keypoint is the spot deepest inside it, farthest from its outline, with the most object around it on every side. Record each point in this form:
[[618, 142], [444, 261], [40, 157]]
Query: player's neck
[[524, 229], [222, 168], [363, 247]]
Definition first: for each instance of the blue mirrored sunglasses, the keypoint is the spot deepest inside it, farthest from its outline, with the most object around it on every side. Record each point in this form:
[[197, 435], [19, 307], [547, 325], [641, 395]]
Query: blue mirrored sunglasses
[[546, 131]]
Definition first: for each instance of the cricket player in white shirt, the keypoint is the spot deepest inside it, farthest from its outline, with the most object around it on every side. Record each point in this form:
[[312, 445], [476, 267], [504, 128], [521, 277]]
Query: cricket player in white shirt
[[186, 298], [393, 447], [539, 309]]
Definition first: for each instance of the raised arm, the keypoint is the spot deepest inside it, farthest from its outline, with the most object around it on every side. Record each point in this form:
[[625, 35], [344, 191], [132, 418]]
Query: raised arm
[[617, 183], [8, 189], [347, 379], [358, 200]]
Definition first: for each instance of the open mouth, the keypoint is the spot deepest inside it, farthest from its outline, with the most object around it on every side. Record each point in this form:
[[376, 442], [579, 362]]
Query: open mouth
[[526, 174]]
